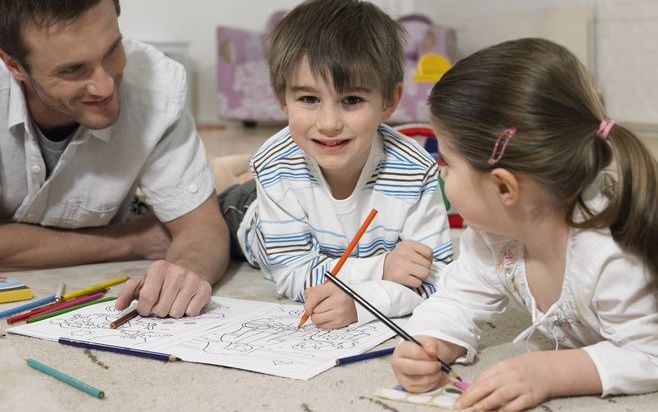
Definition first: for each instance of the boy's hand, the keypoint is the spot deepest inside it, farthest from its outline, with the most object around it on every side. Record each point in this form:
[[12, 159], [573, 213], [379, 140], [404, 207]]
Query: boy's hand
[[329, 307], [416, 368], [511, 385], [408, 264]]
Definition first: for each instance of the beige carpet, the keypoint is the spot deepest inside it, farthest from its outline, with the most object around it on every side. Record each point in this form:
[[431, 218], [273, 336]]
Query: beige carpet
[[137, 384]]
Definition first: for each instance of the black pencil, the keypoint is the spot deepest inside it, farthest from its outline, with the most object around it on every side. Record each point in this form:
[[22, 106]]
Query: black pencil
[[386, 321]]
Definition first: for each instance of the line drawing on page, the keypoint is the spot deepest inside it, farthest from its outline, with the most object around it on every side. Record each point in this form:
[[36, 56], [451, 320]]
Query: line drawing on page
[[94, 326], [278, 333]]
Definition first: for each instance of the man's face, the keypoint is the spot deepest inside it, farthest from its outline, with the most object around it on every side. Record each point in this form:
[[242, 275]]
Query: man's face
[[75, 70]]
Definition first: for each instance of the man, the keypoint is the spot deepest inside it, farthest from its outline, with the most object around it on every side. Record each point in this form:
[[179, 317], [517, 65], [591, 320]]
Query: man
[[86, 118]]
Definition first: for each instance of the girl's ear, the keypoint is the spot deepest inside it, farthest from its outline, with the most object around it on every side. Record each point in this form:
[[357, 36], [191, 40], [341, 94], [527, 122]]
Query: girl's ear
[[393, 104], [506, 186]]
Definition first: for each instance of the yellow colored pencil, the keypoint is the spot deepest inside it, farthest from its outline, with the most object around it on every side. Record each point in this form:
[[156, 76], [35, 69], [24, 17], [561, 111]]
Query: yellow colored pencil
[[94, 288]]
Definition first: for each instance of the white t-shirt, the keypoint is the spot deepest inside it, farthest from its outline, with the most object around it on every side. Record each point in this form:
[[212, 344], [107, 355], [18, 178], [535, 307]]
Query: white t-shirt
[[607, 306], [153, 145]]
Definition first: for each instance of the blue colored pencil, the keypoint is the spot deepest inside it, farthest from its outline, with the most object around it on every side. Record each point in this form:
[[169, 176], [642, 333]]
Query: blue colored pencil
[[29, 305], [364, 356], [66, 378], [118, 349]]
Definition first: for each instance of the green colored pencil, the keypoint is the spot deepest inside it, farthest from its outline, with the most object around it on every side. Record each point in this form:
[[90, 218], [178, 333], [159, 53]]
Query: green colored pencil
[[72, 308], [65, 378]]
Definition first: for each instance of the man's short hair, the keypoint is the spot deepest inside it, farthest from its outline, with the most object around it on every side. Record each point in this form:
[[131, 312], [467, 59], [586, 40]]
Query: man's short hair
[[352, 41], [15, 15]]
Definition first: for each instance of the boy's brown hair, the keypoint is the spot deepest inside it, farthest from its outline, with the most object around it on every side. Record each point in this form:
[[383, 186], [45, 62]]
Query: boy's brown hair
[[350, 41], [15, 15]]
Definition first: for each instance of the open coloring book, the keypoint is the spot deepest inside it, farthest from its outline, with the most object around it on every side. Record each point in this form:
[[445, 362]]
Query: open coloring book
[[244, 334]]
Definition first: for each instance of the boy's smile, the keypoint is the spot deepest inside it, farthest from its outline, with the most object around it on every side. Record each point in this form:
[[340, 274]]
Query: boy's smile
[[335, 129]]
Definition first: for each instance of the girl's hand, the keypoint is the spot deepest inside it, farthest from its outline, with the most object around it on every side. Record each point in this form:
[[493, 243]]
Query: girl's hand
[[511, 385], [408, 264], [329, 307], [416, 368]]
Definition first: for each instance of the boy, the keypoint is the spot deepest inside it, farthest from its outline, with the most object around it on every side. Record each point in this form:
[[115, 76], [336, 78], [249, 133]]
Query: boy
[[336, 67]]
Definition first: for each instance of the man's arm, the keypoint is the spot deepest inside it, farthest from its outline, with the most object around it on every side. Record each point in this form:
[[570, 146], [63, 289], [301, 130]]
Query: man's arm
[[182, 283], [26, 246]]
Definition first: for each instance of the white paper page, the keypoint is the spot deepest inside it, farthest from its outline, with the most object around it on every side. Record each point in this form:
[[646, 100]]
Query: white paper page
[[91, 324], [256, 336], [269, 342]]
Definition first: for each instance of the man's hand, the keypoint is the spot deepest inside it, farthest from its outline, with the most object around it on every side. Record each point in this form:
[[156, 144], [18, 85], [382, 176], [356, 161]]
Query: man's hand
[[329, 307], [166, 290], [408, 264]]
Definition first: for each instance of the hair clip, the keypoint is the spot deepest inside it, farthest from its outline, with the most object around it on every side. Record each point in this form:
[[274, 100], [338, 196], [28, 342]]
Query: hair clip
[[604, 128], [506, 134]]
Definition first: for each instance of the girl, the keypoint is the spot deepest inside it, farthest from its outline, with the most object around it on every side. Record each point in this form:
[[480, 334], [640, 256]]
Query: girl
[[562, 208]]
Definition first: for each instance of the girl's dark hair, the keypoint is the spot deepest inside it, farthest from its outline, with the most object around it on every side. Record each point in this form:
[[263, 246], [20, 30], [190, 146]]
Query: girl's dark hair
[[542, 90], [15, 15]]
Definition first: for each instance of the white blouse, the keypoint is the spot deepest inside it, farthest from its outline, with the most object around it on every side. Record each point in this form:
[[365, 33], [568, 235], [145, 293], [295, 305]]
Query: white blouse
[[608, 305]]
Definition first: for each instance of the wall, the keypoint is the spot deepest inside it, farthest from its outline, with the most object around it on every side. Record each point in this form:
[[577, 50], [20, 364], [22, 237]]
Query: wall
[[625, 46], [626, 39], [194, 21]]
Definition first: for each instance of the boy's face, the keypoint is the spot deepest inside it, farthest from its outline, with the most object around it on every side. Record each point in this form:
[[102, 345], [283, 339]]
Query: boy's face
[[335, 129], [75, 70]]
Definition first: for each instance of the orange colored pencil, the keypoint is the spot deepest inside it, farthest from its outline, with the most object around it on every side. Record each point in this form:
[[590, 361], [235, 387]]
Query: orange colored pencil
[[346, 254]]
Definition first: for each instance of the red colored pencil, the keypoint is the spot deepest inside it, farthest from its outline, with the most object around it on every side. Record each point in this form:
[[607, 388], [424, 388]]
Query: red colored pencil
[[346, 254], [57, 306]]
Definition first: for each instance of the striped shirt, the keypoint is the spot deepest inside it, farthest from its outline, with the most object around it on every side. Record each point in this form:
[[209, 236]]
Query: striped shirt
[[295, 230]]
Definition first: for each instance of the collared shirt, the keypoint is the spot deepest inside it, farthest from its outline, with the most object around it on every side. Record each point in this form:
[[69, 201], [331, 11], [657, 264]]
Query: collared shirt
[[153, 146]]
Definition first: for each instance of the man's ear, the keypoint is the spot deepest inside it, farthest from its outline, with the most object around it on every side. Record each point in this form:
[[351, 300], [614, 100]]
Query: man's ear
[[393, 104], [15, 68], [506, 186]]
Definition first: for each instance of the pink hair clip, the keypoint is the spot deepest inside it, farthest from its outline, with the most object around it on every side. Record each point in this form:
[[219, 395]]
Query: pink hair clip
[[604, 128], [507, 135]]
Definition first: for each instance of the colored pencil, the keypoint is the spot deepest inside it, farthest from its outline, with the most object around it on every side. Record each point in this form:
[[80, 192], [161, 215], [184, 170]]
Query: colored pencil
[[364, 356], [346, 254], [27, 306], [123, 319], [56, 306], [393, 326], [119, 349], [60, 292], [85, 387], [66, 310], [94, 288]]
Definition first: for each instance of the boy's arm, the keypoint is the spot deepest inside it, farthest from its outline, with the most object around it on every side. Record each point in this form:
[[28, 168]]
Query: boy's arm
[[26, 246]]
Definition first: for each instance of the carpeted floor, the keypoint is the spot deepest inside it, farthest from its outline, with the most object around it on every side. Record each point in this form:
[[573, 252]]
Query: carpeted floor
[[136, 384]]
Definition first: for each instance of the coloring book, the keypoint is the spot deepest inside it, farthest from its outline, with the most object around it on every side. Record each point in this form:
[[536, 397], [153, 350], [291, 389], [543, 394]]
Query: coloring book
[[256, 336]]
